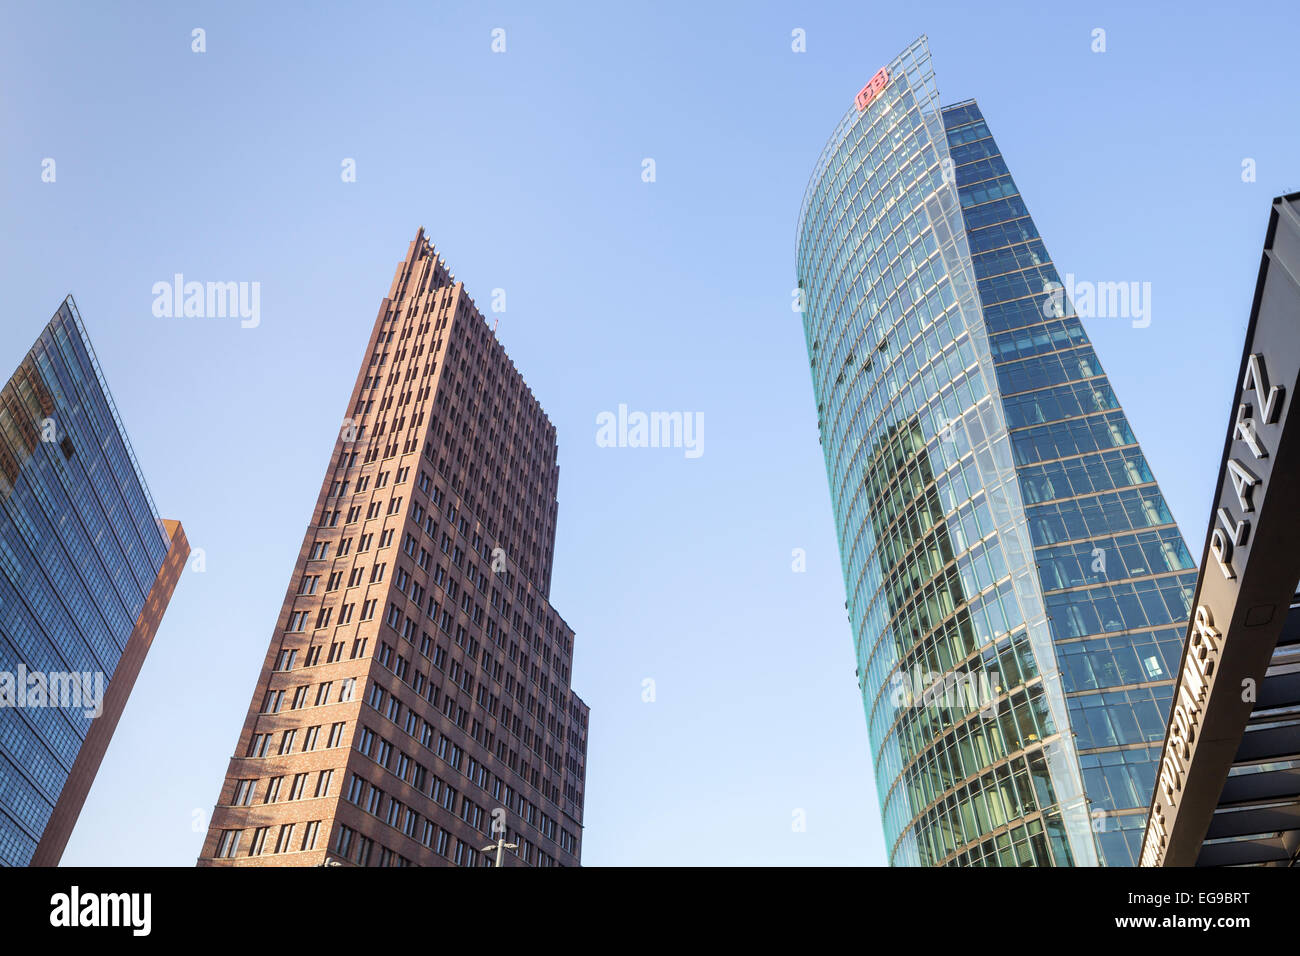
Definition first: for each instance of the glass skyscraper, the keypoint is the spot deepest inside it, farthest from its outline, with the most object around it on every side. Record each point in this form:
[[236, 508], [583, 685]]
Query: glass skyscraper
[[86, 570], [1016, 586]]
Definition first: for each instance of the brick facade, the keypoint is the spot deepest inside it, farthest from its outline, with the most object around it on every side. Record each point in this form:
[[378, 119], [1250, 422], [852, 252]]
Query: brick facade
[[418, 677]]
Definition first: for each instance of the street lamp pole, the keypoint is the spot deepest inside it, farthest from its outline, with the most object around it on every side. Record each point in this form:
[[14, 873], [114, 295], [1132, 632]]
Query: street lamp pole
[[500, 846]]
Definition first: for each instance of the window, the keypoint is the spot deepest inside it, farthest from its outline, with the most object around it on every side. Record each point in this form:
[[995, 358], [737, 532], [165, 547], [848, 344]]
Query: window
[[228, 844], [356, 789], [309, 835], [366, 742], [285, 839], [259, 842], [343, 844], [364, 847]]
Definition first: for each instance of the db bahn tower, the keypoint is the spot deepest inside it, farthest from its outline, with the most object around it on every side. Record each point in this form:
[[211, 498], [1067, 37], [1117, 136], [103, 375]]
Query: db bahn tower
[[1016, 586], [414, 705]]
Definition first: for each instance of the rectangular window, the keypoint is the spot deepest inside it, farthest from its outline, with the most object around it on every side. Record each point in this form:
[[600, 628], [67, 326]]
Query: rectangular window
[[258, 846], [343, 843], [285, 839], [228, 844], [310, 832]]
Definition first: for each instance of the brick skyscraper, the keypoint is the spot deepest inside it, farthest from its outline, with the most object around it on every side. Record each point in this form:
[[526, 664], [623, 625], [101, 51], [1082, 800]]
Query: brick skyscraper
[[417, 683]]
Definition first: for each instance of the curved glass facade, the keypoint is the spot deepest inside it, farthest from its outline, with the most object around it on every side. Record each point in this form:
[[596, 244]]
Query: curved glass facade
[[942, 501]]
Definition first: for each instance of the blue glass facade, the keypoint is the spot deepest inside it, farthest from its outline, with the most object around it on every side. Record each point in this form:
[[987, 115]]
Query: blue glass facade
[[1116, 575], [80, 547], [1015, 584]]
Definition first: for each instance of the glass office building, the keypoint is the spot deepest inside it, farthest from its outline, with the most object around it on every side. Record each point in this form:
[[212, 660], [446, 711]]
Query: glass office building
[[1016, 586], [86, 569]]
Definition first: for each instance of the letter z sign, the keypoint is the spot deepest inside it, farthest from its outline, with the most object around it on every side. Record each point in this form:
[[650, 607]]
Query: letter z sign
[[872, 89]]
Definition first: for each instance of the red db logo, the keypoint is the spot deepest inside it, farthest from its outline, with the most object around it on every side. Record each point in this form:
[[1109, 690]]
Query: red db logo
[[872, 89]]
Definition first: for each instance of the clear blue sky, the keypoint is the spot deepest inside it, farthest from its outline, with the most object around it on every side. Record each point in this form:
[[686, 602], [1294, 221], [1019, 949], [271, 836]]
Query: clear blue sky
[[525, 168]]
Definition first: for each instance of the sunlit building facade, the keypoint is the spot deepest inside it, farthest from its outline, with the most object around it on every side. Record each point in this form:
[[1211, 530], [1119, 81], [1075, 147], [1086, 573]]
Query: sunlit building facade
[[1016, 586], [415, 706]]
